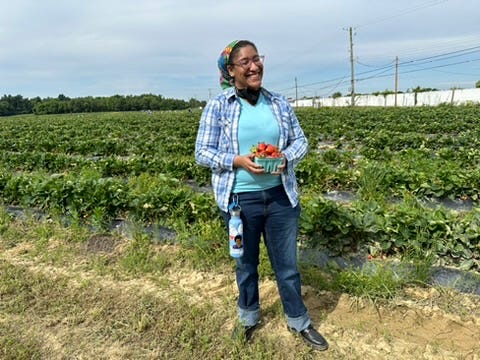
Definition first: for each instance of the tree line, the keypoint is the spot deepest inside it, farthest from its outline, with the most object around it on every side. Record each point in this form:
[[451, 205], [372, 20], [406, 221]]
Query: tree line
[[16, 105]]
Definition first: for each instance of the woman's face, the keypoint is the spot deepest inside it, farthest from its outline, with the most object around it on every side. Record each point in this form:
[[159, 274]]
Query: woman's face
[[247, 68]]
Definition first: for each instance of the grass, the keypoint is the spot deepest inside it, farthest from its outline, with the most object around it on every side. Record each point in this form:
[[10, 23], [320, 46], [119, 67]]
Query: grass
[[70, 293], [15, 344]]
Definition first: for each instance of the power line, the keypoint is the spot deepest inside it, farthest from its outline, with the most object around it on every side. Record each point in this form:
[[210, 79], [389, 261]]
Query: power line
[[422, 69], [425, 60], [456, 73], [423, 5], [404, 12], [439, 46], [374, 66], [382, 71], [440, 66], [444, 56], [422, 61]]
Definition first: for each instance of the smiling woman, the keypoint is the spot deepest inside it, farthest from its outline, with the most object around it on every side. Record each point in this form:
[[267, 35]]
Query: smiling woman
[[243, 115]]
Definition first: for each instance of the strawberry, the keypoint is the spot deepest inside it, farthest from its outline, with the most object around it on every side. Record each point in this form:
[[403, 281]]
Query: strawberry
[[265, 150], [270, 149], [261, 146]]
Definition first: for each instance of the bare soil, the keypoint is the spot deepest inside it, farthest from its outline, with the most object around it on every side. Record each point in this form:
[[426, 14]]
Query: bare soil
[[425, 323]]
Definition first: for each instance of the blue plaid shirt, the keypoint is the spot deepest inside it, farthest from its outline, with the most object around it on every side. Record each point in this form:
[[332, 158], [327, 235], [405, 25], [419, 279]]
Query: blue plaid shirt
[[216, 144]]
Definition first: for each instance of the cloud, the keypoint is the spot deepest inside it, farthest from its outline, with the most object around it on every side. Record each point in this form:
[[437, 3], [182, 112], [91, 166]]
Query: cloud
[[105, 47]]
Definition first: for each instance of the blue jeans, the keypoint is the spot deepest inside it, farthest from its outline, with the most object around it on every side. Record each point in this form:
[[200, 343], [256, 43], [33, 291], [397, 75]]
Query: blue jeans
[[269, 213]]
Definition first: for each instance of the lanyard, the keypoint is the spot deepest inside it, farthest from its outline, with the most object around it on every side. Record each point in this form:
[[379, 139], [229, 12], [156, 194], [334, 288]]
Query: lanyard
[[234, 204]]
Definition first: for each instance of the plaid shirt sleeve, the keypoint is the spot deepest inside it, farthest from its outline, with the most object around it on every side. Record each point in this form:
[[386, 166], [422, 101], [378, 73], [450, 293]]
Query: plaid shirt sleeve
[[293, 143], [214, 147]]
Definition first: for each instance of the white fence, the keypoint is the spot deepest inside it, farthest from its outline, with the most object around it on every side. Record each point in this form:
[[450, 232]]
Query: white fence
[[432, 98]]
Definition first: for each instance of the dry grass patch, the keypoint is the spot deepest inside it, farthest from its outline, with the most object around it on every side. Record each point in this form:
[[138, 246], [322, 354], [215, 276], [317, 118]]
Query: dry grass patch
[[68, 294]]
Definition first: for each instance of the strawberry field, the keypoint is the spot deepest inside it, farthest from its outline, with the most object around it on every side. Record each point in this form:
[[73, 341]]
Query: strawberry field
[[411, 177]]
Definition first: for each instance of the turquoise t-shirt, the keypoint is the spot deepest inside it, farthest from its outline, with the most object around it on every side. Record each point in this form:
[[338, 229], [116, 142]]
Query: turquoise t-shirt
[[256, 124]]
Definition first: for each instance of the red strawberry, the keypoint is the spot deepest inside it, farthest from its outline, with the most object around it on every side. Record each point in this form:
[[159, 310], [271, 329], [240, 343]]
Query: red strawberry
[[270, 149], [261, 146], [265, 150]]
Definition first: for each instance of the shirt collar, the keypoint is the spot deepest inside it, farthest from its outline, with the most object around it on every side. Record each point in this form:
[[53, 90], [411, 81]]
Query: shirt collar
[[231, 94]]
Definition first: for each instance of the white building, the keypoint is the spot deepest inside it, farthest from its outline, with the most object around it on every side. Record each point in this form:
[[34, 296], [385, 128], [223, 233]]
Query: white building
[[431, 98]]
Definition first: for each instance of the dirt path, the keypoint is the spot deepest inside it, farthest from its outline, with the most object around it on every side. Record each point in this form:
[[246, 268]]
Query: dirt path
[[402, 329], [429, 325], [425, 324]]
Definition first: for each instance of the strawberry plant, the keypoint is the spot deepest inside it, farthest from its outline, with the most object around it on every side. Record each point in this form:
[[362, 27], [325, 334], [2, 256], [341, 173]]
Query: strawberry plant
[[399, 164]]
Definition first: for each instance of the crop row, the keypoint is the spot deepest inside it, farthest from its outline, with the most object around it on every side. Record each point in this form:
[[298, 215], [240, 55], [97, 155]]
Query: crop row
[[124, 134], [145, 198], [382, 227], [139, 165], [413, 171]]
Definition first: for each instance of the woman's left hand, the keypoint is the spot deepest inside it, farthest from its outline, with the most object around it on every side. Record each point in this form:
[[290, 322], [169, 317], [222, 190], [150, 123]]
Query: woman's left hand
[[280, 168]]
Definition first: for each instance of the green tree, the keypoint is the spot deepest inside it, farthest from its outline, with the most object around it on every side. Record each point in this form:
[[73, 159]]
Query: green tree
[[419, 89], [384, 92], [4, 108], [14, 105]]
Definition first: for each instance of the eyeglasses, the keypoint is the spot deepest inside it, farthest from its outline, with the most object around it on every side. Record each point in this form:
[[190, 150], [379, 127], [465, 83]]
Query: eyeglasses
[[245, 63]]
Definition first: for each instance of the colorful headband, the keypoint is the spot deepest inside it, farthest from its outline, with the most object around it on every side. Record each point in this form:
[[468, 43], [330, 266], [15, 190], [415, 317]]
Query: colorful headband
[[226, 80]]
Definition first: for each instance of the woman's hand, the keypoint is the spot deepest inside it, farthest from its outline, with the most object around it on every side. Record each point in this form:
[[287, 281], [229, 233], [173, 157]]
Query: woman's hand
[[246, 162], [280, 168]]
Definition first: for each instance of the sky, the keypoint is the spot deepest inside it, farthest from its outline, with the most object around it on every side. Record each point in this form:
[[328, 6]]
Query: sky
[[170, 47]]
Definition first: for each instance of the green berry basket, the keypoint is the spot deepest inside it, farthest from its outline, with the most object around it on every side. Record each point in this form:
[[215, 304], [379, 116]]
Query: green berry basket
[[269, 164]]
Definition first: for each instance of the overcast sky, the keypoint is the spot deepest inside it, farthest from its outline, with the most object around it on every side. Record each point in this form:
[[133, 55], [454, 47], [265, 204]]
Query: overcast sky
[[107, 47]]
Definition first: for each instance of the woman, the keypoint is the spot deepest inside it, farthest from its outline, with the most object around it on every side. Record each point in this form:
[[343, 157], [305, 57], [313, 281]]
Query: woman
[[246, 114]]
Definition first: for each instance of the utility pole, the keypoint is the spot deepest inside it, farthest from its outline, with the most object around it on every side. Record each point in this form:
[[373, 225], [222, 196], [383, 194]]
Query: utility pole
[[396, 79], [296, 93], [352, 67]]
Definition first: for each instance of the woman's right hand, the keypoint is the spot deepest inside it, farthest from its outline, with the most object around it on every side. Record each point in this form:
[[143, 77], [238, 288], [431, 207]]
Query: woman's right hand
[[246, 162]]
